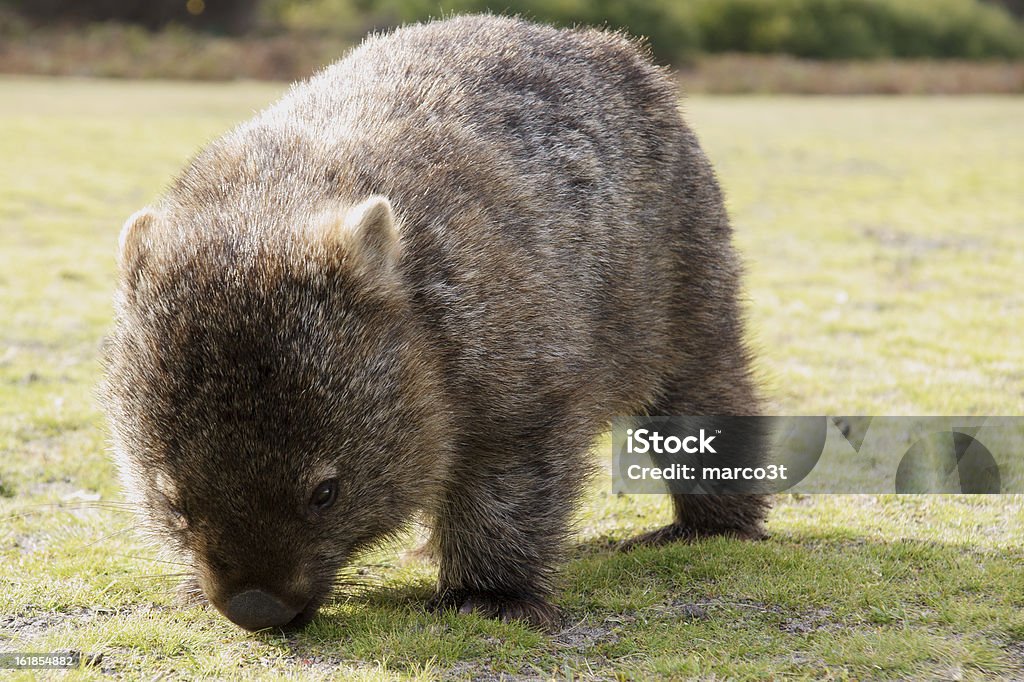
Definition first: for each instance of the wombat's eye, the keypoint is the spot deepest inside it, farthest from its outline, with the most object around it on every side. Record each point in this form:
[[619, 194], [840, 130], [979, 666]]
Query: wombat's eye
[[324, 495]]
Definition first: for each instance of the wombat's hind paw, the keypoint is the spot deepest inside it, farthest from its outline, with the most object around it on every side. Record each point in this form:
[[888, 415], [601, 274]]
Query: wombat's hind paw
[[675, 532], [536, 612]]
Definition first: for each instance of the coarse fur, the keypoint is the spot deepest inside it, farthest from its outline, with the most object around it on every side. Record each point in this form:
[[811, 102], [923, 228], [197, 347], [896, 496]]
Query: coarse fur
[[433, 272]]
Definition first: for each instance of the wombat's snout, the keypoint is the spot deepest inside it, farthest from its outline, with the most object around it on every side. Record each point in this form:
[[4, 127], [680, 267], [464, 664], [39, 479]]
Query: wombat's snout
[[256, 609]]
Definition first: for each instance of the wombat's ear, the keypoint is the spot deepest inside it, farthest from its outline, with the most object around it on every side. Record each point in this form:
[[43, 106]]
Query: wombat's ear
[[369, 234], [132, 244]]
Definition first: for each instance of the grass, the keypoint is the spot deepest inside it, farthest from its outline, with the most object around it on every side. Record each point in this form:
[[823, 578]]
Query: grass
[[885, 249]]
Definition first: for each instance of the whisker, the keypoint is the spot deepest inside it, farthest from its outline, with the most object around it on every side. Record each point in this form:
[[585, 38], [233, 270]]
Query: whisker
[[161, 576], [106, 537], [160, 561], [29, 510]]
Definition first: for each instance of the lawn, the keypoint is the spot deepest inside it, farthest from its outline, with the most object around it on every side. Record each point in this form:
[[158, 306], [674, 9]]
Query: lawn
[[884, 241]]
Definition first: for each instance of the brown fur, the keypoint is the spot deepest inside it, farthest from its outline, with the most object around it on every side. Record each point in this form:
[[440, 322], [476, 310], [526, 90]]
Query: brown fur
[[559, 254]]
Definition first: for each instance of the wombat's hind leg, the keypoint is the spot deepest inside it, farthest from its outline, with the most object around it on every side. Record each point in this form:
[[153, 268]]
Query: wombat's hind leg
[[698, 516], [704, 515]]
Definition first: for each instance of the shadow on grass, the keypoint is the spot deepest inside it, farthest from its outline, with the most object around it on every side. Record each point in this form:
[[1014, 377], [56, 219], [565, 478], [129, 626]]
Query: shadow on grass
[[803, 593]]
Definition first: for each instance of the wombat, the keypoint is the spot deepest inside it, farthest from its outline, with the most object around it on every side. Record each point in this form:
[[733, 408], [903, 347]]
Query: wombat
[[419, 286]]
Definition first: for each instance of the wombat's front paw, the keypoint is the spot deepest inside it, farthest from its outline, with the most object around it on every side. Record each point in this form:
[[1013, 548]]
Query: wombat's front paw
[[537, 612], [679, 533]]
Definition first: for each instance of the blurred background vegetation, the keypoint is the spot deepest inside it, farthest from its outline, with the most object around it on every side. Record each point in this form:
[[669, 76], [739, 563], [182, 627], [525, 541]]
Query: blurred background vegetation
[[286, 39]]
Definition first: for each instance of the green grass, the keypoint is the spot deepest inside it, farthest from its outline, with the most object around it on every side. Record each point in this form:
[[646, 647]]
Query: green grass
[[885, 249]]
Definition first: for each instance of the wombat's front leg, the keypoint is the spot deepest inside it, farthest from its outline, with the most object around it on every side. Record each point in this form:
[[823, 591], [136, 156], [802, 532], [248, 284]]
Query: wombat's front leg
[[499, 533], [536, 611]]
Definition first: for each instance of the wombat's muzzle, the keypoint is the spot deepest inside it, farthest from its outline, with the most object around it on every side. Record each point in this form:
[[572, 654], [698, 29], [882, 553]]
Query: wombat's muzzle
[[256, 609]]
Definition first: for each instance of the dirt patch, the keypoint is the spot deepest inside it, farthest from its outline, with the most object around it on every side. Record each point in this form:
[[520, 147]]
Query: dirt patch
[[583, 636], [465, 670], [1015, 650], [684, 610], [29, 622], [810, 621]]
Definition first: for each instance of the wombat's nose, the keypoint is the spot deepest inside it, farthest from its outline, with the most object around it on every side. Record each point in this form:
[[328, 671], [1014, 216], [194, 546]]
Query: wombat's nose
[[255, 610]]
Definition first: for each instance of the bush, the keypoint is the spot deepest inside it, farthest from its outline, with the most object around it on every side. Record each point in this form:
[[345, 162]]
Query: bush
[[666, 24], [675, 29], [851, 29], [823, 29], [231, 16]]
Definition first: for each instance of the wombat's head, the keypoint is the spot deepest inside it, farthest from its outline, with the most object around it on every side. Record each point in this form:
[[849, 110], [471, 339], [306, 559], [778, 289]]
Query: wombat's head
[[272, 405]]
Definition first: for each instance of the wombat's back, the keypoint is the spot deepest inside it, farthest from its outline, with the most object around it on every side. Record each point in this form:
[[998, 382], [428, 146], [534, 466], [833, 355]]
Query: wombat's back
[[534, 172]]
